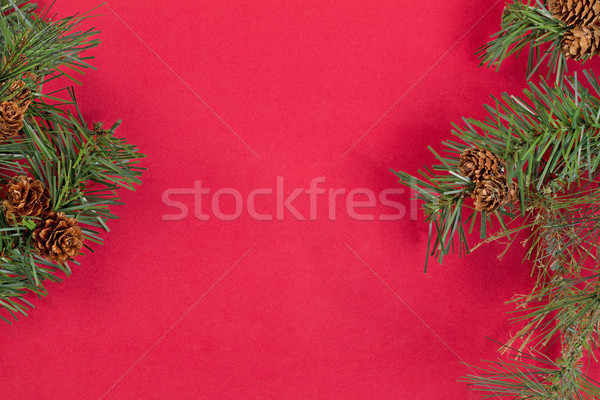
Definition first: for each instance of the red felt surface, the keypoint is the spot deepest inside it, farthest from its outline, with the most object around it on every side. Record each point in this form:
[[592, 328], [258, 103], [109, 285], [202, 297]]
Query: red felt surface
[[236, 94]]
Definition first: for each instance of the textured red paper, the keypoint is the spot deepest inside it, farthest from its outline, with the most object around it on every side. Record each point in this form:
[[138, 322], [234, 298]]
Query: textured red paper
[[236, 94]]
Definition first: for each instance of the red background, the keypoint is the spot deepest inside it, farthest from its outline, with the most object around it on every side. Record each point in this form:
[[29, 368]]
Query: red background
[[286, 309]]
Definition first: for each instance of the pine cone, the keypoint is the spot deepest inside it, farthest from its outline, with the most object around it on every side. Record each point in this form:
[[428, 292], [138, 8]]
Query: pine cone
[[57, 238], [575, 12], [477, 164], [492, 192], [26, 198], [581, 41], [20, 94], [11, 119]]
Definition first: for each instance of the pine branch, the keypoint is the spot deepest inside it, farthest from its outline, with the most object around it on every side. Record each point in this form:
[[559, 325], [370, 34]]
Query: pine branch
[[82, 166], [525, 377], [549, 139], [532, 27], [39, 46]]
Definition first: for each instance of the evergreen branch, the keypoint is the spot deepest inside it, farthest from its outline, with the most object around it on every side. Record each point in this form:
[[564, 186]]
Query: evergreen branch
[[527, 26], [549, 139], [41, 46], [82, 167], [526, 377]]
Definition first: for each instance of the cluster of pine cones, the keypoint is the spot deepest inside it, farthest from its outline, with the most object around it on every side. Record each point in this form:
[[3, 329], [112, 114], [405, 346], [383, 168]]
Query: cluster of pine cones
[[582, 16], [486, 170], [55, 237]]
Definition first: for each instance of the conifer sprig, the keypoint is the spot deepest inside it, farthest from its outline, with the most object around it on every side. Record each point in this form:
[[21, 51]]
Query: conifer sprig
[[549, 139], [530, 27], [81, 165], [527, 377]]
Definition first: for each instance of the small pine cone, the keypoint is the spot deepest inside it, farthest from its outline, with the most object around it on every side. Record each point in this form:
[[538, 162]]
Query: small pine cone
[[575, 12], [26, 198], [20, 94], [581, 41], [490, 193], [11, 119], [477, 164], [58, 238]]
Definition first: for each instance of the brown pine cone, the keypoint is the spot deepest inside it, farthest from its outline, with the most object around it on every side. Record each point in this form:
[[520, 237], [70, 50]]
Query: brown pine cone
[[58, 238], [493, 192], [575, 12], [20, 94], [581, 41], [26, 197], [11, 119], [477, 164]]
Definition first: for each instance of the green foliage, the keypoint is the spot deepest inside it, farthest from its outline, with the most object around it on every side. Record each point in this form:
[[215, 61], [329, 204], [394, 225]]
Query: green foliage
[[531, 27], [82, 165], [549, 139], [526, 377], [35, 44]]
